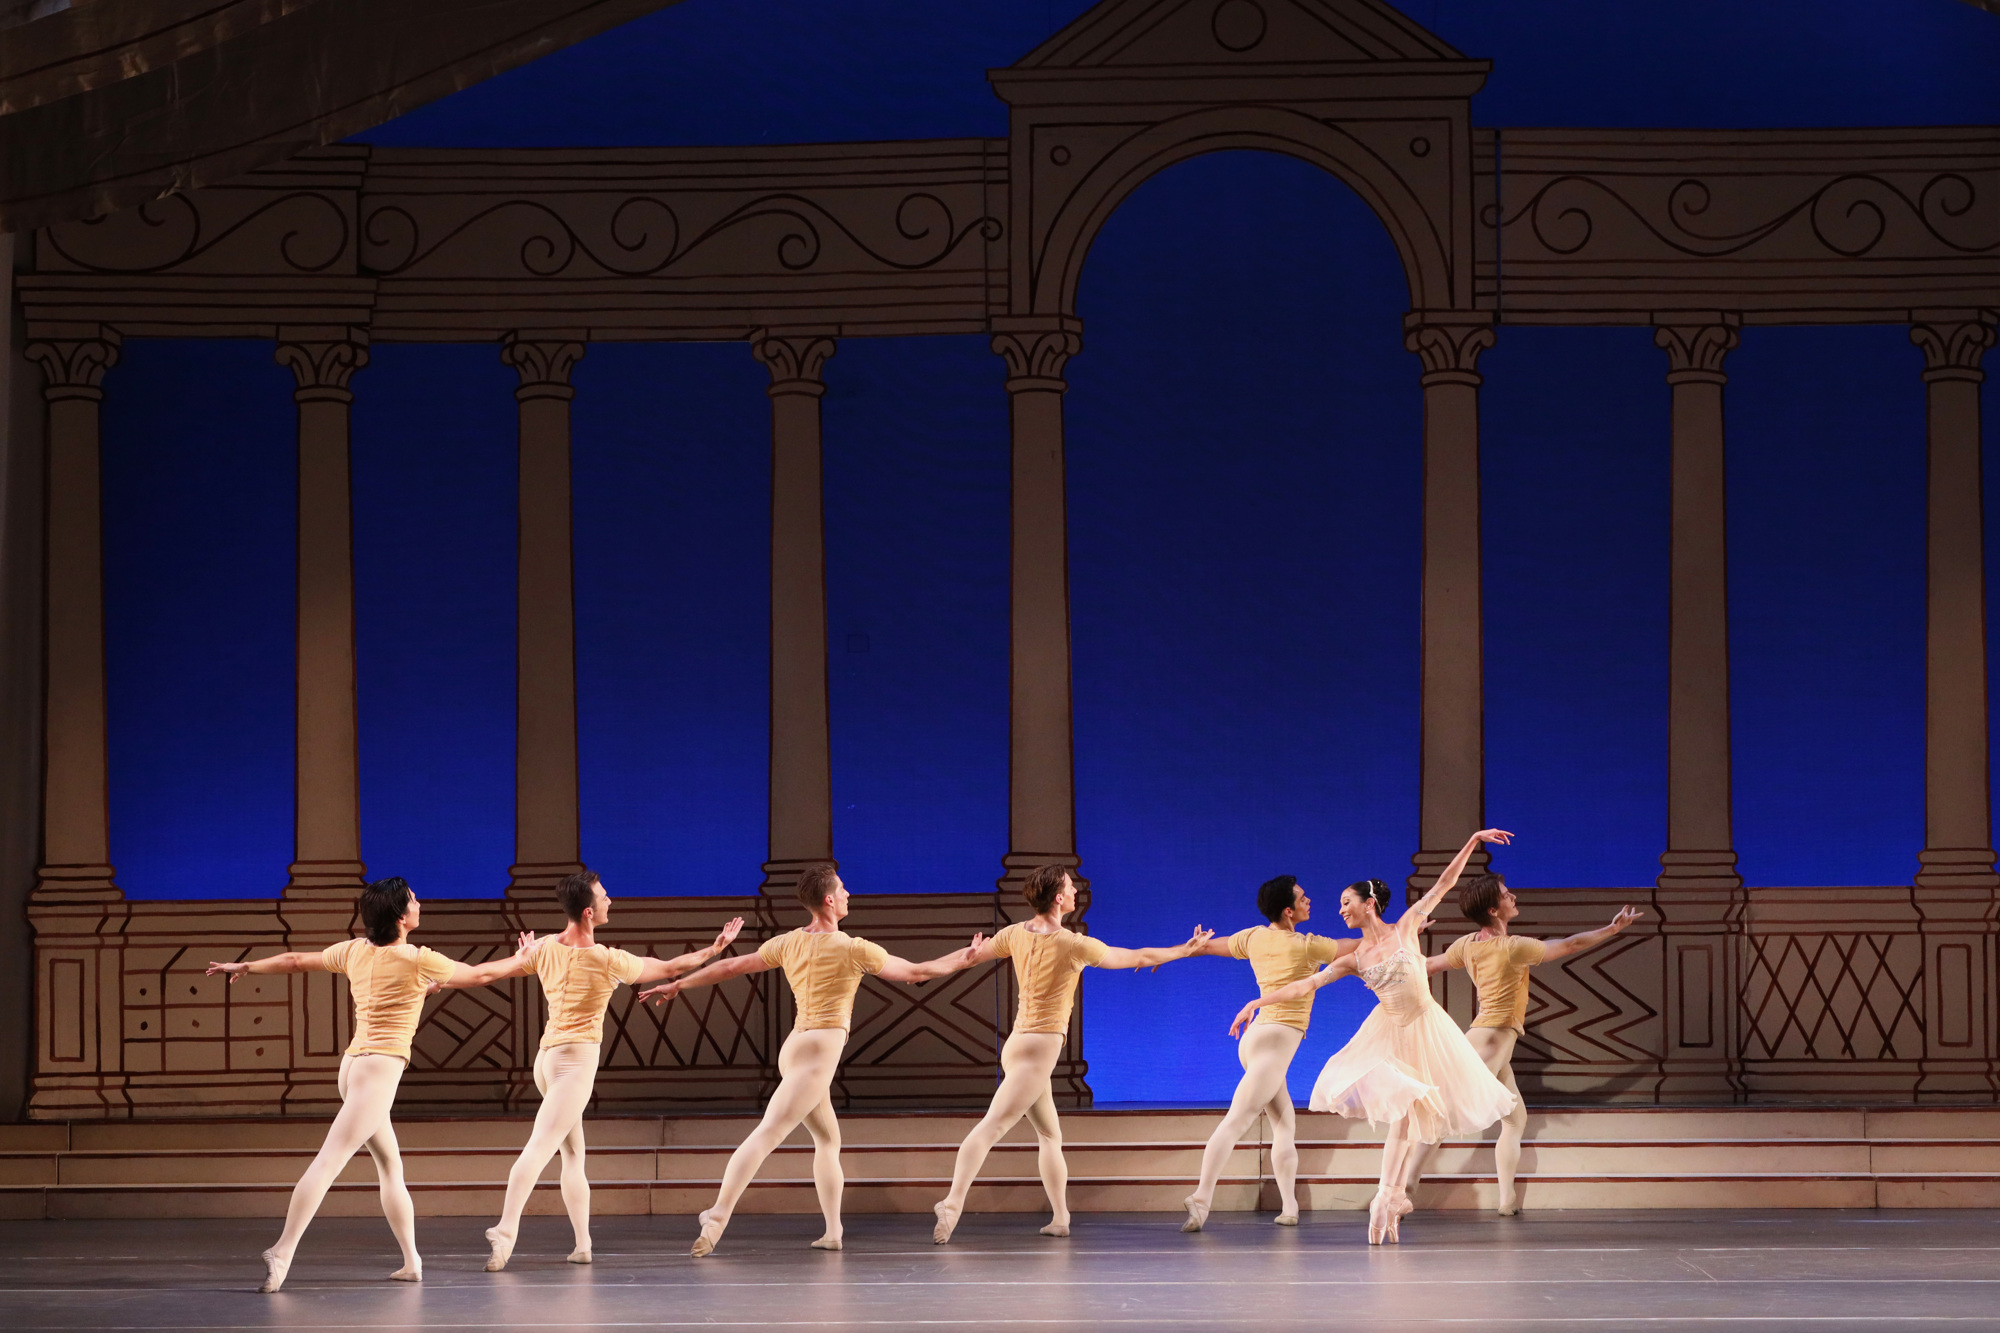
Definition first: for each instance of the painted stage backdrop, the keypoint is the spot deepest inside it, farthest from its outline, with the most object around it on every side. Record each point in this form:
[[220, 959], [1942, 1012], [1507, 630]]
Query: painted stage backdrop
[[1244, 487]]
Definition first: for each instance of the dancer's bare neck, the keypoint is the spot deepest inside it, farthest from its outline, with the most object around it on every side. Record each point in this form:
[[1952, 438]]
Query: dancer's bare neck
[[579, 934], [1044, 923], [1497, 930], [823, 923]]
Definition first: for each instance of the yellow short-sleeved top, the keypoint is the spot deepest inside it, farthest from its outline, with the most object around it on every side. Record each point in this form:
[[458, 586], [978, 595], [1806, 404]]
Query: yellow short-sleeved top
[[388, 983], [825, 969], [1045, 971], [577, 983], [1278, 958], [1499, 969]]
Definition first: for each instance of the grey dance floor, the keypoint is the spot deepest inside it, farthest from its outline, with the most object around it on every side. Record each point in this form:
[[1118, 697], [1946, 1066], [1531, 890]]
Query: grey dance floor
[[1587, 1270]]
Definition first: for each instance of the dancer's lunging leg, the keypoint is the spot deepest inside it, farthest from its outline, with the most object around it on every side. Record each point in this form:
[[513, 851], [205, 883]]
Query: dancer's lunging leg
[[564, 1075], [367, 1085], [806, 1066], [1027, 1061], [828, 1179], [1266, 1052]]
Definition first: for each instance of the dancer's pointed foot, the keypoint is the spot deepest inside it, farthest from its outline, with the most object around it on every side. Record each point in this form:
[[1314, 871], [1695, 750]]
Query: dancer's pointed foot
[[1057, 1229], [410, 1272], [1509, 1206], [580, 1255], [1399, 1206], [1378, 1217], [275, 1267], [830, 1241], [1288, 1218], [947, 1222], [503, 1249], [1197, 1213], [711, 1232]]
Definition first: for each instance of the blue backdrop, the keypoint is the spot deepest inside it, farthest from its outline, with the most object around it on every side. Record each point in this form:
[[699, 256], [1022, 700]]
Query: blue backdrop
[[1243, 428]]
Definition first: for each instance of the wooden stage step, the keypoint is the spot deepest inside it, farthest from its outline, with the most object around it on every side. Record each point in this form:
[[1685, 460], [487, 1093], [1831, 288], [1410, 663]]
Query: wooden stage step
[[1119, 1161]]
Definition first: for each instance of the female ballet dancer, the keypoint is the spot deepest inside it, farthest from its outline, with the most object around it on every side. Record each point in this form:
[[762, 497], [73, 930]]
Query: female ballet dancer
[[388, 977], [1409, 1066], [578, 976], [1499, 963], [824, 968], [1279, 954], [1048, 959]]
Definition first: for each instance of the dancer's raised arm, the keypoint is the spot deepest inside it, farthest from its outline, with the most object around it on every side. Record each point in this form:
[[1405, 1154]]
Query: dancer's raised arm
[[1344, 966], [666, 969], [1413, 920], [901, 969], [1117, 959], [1589, 939], [517, 964], [742, 965]]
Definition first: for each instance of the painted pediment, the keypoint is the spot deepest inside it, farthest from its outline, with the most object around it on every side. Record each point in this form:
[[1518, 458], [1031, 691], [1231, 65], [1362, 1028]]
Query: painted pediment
[[1138, 34]]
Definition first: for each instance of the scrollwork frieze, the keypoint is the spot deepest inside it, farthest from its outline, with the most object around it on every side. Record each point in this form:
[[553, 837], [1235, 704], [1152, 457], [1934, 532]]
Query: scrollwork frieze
[[1618, 214], [653, 235], [226, 231]]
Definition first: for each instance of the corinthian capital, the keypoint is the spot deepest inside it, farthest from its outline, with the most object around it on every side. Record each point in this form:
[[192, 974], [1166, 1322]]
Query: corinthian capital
[[1696, 345], [1953, 343], [543, 365], [1449, 342], [795, 360], [74, 367], [323, 366], [1036, 348]]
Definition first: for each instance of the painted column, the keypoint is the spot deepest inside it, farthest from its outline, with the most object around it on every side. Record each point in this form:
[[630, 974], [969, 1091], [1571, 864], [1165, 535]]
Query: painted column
[[76, 843], [546, 840], [1958, 826], [1041, 782], [1701, 851], [327, 798], [1453, 709], [801, 755]]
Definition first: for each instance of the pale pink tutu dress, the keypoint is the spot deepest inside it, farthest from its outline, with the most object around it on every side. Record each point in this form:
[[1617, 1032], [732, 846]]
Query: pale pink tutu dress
[[1410, 1059]]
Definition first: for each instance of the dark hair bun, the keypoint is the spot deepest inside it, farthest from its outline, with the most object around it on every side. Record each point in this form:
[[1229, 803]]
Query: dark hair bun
[[1372, 888]]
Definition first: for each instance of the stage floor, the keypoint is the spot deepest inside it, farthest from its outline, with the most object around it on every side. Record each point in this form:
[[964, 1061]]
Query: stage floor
[[1651, 1270]]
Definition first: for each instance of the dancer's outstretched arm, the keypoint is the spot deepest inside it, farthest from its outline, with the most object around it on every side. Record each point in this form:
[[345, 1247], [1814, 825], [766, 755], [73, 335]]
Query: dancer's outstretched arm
[[742, 965], [1344, 966], [901, 969], [518, 964], [1118, 960], [666, 969], [1411, 922], [277, 964], [1589, 939]]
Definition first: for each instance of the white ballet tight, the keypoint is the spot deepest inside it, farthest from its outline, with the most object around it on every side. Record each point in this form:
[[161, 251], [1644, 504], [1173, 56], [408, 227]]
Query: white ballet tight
[[1265, 1052], [1027, 1062], [806, 1065], [1496, 1047], [367, 1086], [564, 1075]]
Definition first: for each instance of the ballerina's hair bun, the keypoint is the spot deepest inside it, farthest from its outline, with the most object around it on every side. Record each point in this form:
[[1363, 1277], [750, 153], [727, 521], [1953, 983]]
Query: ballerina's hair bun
[[1372, 888]]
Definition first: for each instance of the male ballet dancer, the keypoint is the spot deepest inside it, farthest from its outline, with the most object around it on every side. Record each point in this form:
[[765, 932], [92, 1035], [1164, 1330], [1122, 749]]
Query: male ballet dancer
[[824, 967], [1498, 963], [1278, 954], [578, 976]]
